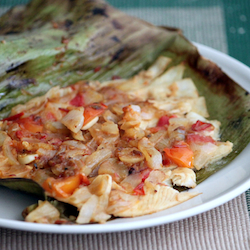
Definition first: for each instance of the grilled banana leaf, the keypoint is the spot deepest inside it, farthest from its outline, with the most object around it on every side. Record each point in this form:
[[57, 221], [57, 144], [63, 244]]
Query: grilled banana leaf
[[66, 41], [55, 42]]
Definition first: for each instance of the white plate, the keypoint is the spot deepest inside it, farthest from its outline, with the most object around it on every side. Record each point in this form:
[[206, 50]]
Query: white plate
[[221, 187]]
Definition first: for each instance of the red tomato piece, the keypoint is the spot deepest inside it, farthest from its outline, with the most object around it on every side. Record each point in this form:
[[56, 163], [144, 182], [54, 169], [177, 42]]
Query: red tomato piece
[[199, 139], [93, 110], [14, 117], [166, 161], [200, 126], [182, 157], [63, 187], [78, 100], [162, 123], [19, 134], [43, 137], [31, 124], [164, 120], [139, 189]]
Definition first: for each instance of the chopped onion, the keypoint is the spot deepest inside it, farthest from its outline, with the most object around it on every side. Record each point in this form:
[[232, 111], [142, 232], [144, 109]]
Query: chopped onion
[[146, 115], [87, 210], [110, 127], [131, 182], [78, 136], [26, 159], [76, 144], [130, 155], [156, 176], [7, 150], [208, 153], [101, 185], [109, 116], [74, 119], [152, 155], [95, 207], [116, 169], [136, 108], [96, 158], [33, 106], [79, 197], [91, 96], [44, 213], [58, 125], [58, 93], [3, 136], [90, 124], [184, 177]]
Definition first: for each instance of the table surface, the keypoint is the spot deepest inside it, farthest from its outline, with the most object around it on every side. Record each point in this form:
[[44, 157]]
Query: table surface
[[220, 24]]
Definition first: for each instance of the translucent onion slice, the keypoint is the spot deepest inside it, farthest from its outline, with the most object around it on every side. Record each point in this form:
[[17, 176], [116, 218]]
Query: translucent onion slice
[[74, 119], [7, 150], [152, 155], [45, 213], [26, 159]]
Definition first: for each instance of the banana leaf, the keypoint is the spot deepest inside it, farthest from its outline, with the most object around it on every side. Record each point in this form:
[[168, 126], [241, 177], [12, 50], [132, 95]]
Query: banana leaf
[[65, 41], [55, 42]]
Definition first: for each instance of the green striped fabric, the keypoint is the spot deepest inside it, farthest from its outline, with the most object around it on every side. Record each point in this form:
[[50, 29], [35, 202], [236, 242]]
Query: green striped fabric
[[248, 200]]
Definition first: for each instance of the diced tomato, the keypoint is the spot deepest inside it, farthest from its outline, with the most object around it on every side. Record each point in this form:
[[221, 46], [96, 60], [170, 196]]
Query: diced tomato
[[139, 189], [182, 157], [165, 161], [67, 186], [19, 134], [93, 110], [162, 123], [31, 124], [200, 126], [63, 187], [43, 137], [14, 117], [164, 120], [78, 100], [199, 139]]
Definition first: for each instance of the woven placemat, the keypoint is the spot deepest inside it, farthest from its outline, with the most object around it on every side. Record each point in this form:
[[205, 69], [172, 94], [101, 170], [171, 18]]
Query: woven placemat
[[224, 228]]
